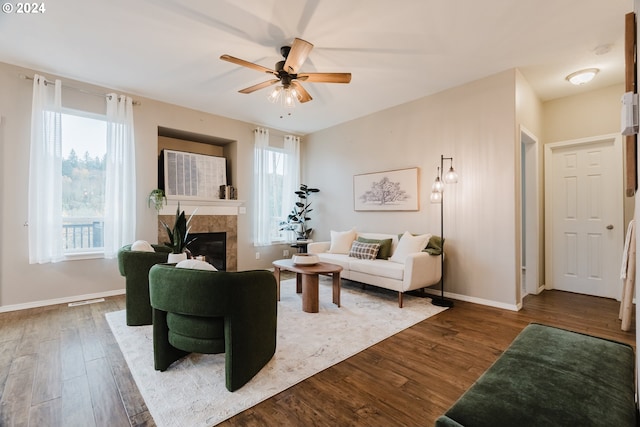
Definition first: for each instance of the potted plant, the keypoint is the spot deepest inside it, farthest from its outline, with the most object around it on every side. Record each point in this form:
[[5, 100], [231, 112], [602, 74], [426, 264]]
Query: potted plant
[[178, 236], [297, 219], [157, 198]]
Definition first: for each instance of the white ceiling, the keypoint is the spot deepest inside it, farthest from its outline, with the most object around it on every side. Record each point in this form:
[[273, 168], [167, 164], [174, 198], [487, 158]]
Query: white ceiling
[[396, 50]]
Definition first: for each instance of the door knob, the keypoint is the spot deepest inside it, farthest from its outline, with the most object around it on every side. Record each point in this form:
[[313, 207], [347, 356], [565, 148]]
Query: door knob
[[610, 227]]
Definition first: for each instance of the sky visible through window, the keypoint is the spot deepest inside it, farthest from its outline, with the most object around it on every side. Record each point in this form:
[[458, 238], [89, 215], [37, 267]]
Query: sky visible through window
[[83, 134]]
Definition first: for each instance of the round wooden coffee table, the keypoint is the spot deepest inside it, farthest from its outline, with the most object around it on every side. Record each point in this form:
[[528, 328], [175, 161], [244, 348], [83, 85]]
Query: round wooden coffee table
[[307, 281]]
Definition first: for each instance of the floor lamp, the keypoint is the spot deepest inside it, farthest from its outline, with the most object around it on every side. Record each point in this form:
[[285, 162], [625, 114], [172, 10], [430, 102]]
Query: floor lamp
[[437, 193]]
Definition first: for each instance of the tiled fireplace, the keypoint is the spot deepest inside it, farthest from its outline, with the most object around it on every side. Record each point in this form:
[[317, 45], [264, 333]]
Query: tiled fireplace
[[210, 217]]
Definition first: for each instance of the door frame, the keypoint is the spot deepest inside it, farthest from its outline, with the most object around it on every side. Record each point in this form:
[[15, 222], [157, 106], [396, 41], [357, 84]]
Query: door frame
[[548, 181], [530, 228]]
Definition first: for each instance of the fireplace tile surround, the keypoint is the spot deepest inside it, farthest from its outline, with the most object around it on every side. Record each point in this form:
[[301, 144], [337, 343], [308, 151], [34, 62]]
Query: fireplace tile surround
[[208, 217]]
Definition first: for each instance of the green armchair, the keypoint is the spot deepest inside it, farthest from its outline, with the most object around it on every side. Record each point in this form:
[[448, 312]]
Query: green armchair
[[135, 266], [199, 311]]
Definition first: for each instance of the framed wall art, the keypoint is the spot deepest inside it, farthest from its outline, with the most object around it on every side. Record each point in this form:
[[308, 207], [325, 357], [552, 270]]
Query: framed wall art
[[394, 190]]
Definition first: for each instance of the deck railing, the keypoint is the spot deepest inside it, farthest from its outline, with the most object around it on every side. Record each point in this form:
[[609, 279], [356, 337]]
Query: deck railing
[[82, 233]]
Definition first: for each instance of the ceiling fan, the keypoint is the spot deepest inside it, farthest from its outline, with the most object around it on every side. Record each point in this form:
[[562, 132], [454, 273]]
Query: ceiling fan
[[287, 72]]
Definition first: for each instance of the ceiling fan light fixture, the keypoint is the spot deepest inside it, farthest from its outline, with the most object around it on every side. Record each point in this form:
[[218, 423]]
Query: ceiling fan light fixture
[[274, 95], [583, 76], [289, 98], [286, 96], [287, 74]]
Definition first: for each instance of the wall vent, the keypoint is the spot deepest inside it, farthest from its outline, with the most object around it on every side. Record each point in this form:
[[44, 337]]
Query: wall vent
[[85, 302]]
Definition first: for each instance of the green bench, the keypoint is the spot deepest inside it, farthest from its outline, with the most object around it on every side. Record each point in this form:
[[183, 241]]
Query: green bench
[[552, 377]]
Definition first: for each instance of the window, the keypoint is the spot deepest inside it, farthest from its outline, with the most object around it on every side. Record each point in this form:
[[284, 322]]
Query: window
[[83, 181], [276, 176], [99, 202]]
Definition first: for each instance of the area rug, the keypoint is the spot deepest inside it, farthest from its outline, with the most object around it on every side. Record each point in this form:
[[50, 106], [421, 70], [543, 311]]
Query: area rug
[[192, 391]]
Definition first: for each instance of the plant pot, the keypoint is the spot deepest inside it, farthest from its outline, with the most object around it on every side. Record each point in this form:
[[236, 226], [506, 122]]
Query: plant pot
[[176, 258], [157, 199]]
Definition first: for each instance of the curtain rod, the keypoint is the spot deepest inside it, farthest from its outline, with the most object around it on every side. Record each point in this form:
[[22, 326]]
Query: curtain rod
[[48, 82], [277, 132]]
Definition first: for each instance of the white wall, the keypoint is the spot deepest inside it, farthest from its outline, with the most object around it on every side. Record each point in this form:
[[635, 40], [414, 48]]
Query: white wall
[[474, 124], [22, 284]]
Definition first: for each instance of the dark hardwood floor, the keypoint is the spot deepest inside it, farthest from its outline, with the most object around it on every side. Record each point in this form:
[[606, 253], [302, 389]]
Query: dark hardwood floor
[[61, 366]]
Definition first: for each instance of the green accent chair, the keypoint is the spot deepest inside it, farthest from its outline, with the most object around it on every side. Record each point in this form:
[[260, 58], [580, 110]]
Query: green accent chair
[[135, 266], [199, 311]]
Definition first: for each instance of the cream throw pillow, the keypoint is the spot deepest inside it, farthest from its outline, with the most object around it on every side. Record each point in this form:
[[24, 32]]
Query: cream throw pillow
[[142, 246], [409, 244], [196, 264], [341, 241]]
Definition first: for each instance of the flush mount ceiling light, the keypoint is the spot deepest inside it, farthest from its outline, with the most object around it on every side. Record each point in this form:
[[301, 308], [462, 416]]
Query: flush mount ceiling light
[[583, 76]]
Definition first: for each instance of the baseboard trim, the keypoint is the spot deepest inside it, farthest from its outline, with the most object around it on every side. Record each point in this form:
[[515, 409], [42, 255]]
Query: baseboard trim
[[481, 301], [65, 300]]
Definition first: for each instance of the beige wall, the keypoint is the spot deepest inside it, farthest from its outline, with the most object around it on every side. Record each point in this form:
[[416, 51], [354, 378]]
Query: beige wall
[[580, 116], [22, 284], [164, 142], [478, 124], [529, 120], [528, 107], [474, 124]]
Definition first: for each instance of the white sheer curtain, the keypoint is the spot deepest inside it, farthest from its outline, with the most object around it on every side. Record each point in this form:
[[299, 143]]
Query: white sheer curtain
[[45, 174], [120, 191], [261, 219], [291, 182]]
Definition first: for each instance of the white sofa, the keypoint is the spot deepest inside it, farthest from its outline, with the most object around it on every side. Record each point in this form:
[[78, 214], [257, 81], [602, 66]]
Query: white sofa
[[402, 273]]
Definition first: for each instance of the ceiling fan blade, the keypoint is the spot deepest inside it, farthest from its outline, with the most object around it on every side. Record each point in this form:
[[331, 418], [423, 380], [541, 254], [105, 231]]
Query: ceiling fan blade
[[247, 64], [303, 95], [297, 55], [259, 86], [325, 77]]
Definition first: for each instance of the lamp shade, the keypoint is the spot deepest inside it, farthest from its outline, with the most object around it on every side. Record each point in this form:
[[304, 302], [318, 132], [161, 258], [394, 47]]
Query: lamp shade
[[437, 185], [451, 177], [436, 197]]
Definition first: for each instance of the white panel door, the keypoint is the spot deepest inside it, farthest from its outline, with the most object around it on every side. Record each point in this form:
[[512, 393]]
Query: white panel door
[[586, 218]]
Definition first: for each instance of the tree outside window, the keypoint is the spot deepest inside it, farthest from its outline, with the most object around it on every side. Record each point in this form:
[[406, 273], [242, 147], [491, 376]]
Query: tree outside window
[[83, 181]]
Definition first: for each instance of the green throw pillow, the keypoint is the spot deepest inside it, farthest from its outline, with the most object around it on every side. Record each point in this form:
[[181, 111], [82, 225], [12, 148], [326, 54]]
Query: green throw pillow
[[385, 246], [434, 247]]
